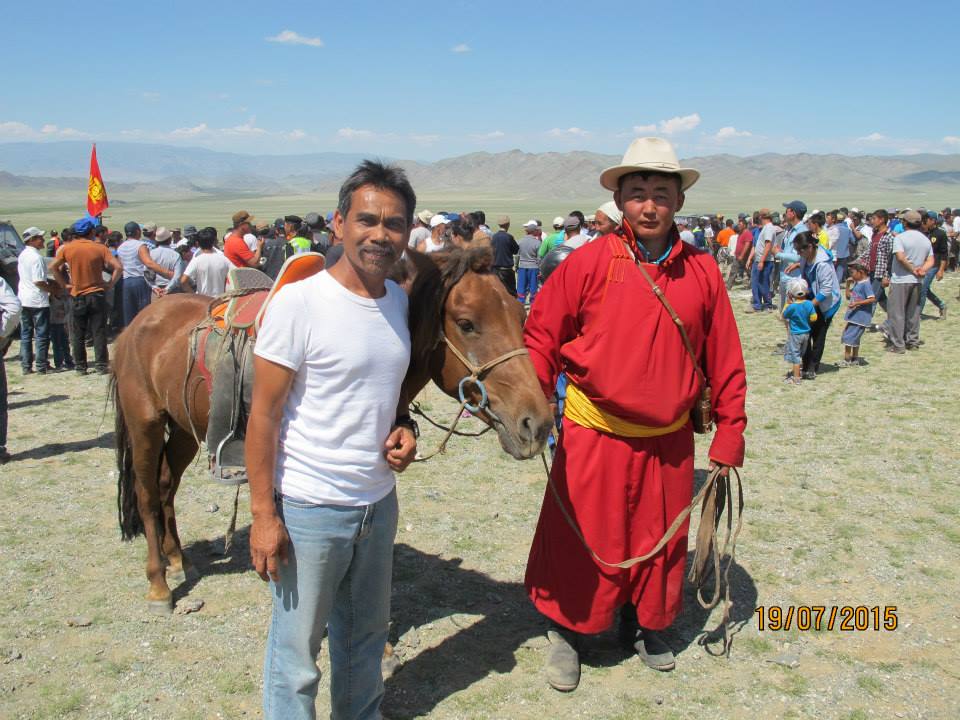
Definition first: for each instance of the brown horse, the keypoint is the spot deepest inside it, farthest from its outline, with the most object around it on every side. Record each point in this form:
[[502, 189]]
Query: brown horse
[[458, 309]]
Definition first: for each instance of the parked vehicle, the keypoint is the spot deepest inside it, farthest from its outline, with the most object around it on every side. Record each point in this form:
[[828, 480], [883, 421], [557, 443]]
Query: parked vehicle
[[10, 248]]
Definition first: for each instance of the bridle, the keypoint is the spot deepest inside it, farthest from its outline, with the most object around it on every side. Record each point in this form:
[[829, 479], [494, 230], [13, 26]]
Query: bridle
[[475, 376]]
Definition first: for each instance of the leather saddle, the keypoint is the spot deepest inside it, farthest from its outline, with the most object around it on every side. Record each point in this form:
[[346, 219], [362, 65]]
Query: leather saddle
[[222, 351]]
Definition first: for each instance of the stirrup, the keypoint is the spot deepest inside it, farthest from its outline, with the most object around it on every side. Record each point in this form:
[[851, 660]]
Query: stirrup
[[227, 465]]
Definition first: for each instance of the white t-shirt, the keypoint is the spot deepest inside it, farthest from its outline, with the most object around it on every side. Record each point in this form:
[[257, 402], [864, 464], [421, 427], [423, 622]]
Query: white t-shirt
[[32, 269], [208, 272], [350, 355], [417, 235], [251, 240]]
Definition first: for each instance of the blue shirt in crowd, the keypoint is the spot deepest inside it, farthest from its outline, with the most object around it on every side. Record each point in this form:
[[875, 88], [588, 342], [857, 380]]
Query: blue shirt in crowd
[[798, 315]]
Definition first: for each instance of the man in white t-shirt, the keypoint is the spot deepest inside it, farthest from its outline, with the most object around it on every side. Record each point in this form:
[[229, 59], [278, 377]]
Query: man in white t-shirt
[[328, 428], [34, 294], [206, 273]]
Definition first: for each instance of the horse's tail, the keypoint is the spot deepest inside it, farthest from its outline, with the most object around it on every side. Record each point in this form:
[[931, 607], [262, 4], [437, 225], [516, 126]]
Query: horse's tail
[[128, 513]]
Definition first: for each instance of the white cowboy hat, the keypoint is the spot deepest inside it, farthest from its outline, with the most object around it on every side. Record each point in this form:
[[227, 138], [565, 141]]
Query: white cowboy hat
[[649, 154]]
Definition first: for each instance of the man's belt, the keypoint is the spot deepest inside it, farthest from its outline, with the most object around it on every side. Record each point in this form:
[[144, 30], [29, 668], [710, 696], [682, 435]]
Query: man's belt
[[584, 412]]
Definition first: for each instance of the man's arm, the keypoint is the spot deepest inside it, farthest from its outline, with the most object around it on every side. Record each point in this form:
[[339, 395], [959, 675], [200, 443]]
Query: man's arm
[[400, 447], [254, 260], [268, 536], [148, 262], [115, 268], [186, 284]]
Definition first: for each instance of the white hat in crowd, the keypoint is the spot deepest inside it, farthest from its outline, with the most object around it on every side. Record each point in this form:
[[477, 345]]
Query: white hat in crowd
[[438, 220], [32, 232], [611, 210], [558, 221]]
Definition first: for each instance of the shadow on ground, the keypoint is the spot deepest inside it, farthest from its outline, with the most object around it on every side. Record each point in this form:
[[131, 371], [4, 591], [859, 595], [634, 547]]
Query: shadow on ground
[[59, 448], [430, 589], [209, 558], [37, 401]]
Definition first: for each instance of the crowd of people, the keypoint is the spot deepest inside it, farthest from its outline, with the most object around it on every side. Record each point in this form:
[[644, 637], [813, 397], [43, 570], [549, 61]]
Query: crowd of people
[[625, 313]]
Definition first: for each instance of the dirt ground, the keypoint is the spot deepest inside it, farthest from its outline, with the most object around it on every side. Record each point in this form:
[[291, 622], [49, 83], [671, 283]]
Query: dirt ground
[[851, 500]]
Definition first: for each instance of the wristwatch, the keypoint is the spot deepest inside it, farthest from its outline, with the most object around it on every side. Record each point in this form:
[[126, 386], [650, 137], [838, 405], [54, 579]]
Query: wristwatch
[[408, 422]]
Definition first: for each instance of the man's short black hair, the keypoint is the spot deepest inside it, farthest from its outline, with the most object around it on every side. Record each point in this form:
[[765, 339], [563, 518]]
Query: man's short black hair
[[479, 217], [207, 238], [464, 228], [818, 218], [644, 174], [383, 177], [882, 214]]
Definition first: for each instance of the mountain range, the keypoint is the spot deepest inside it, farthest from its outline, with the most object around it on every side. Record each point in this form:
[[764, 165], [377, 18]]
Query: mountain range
[[140, 170]]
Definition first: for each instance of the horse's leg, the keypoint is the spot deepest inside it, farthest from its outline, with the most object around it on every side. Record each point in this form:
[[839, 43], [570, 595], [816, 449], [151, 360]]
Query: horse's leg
[[146, 440], [180, 449]]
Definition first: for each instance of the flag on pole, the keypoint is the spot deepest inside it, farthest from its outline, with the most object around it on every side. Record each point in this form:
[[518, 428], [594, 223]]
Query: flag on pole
[[97, 200]]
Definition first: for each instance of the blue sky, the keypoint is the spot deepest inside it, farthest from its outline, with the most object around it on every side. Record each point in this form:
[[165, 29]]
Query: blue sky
[[426, 80]]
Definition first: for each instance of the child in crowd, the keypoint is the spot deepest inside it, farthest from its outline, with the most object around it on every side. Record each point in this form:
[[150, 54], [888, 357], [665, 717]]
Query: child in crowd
[[62, 359], [797, 315], [861, 304]]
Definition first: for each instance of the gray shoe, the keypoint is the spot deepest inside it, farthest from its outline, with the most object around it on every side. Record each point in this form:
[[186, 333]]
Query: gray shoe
[[654, 652], [563, 659]]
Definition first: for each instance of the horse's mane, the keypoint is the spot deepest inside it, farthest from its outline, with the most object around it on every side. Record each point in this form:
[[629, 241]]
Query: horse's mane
[[437, 273]]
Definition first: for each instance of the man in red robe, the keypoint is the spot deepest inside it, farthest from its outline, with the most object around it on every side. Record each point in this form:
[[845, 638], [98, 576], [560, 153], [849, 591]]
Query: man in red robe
[[623, 469]]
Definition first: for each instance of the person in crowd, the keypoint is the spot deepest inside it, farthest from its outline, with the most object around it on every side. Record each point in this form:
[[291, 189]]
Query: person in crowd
[[88, 262], [816, 226], [53, 244], [877, 256], [861, 302], [572, 233], [299, 238], [744, 249], [608, 218], [235, 247], [555, 238], [34, 293], [762, 265], [206, 273], [482, 234], [438, 235], [421, 229], [912, 258], [134, 256], [686, 235], [59, 337], [862, 234], [816, 267], [698, 236], [723, 237], [328, 429], [528, 272], [841, 240], [941, 245], [505, 248], [149, 235], [9, 317], [589, 320], [793, 213], [184, 250], [166, 257], [463, 233], [797, 315]]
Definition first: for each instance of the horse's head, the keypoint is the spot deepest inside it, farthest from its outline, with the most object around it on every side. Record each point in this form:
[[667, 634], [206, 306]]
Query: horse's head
[[462, 319]]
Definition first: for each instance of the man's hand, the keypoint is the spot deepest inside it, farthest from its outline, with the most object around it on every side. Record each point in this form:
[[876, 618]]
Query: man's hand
[[791, 267], [724, 469], [939, 274], [885, 282], [268, 546], [400, 448], [760, 265]]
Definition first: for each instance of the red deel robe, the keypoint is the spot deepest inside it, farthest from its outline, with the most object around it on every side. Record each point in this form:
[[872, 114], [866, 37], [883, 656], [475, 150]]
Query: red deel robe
[[598, 320]]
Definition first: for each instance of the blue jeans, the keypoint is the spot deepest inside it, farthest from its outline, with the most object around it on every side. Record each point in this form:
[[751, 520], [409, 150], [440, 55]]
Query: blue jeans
[[527, 281], [760, 285], [926, 292], [136, 296], [337, 577], [34, 323]]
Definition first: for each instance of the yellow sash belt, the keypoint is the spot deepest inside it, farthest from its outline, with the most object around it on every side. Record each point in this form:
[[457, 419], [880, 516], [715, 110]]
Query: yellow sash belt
[[582, 410]]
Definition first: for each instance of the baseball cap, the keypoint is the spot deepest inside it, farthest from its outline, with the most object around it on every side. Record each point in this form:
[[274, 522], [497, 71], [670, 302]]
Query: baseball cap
[[189, 231], [558, 221], [183, 243], [530, 224], [84, 225], [572, 221], [425, 216], [131, 227], [911, 216], [242, 216], [32, 232], [438, 220], [765, 213], [292, 219], [503, 220], [311, 219], [149, 227], [798, 206], [933, 215]]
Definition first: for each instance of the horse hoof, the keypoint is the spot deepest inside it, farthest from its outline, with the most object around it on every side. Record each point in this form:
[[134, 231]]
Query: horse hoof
[[161, 607]]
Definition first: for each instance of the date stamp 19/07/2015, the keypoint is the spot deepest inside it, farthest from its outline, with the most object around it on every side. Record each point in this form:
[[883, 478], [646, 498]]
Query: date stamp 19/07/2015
[[845, 618]]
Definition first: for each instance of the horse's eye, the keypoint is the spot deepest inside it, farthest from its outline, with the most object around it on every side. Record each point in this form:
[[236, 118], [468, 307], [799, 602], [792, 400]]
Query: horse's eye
[[465, 326]]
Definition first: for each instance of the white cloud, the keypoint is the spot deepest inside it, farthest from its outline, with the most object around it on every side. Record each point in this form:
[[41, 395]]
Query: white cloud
[[952, 140], [494, 135], [873, 138], [569, 132], [679, 124], [289, 37], [296, 134], [461, 48], [246, 129], [644, 129], [725, 133], [22, 131], [191, 131], [349, 133]]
